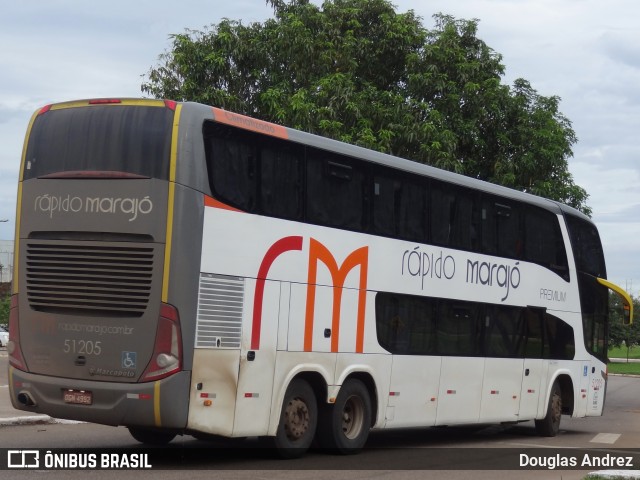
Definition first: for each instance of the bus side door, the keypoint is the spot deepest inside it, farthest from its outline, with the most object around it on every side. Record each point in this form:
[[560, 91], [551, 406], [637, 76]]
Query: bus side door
[[532, 375]]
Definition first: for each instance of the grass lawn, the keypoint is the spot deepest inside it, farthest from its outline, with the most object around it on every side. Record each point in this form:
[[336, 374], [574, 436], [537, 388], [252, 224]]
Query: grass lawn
[[632, 368], [628, 368], [621, 352]]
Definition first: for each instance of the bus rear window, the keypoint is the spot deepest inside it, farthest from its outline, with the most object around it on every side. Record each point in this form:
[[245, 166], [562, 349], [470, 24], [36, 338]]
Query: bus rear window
[[130, 139]]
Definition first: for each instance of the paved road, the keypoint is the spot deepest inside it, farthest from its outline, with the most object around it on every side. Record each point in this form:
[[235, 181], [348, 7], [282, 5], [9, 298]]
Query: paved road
[[391, 454]]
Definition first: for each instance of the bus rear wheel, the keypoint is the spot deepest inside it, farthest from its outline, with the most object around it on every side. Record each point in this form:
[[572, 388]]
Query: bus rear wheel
[[344, 426], [150, 436], [298, 420], [549, 426]]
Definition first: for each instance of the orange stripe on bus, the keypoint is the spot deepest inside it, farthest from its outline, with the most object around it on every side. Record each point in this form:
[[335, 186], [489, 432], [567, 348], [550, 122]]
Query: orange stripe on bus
[[212, 202], [248, 123]]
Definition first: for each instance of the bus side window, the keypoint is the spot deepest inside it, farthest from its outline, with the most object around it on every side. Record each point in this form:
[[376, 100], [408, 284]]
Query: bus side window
[[559, 339], [544, 244], [501, 232], [454, 217], [458, 329], [281, 181], [231, 163], [504, 328], [399, 207], [335, 191], [406, 324], [533, 325]]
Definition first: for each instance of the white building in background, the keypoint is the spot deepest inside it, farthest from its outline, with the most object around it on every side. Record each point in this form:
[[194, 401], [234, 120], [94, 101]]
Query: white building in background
[[6, 260]]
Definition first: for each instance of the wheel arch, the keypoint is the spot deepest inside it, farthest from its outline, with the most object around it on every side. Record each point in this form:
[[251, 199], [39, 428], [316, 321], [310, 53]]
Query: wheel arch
[[567, 392]]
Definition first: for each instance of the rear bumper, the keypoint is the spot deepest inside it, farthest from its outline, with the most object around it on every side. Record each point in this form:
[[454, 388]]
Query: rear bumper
[[161, 404]]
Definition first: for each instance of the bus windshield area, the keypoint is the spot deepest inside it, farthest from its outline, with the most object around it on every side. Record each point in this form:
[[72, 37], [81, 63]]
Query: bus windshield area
[[127, 139]]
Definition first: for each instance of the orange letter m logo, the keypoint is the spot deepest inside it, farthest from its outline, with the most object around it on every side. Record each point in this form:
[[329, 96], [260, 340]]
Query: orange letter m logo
[[360, 257]]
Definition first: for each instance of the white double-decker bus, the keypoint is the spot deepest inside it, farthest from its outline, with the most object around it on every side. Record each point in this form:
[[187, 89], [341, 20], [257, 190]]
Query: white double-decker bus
[[181, 269]]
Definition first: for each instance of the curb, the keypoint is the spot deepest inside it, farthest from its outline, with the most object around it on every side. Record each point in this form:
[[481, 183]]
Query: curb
[[35, 420], [614, 474]]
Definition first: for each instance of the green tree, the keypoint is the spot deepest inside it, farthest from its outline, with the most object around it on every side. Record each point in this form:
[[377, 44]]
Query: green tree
[[5, 303], [358, 71], [620, 334]]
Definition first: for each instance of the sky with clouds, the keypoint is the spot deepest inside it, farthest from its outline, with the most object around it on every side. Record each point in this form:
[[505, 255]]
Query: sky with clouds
[[587, 52]]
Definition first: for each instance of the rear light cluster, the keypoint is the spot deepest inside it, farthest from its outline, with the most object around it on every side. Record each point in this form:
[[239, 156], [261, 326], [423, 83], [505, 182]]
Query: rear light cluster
[[13, 347], [167, 351]]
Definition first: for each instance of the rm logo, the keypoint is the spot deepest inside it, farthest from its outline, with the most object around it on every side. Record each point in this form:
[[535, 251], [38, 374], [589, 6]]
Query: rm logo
[[318, 252]]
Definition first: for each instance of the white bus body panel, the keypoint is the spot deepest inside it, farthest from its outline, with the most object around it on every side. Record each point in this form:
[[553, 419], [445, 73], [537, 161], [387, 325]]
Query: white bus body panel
[[460, 392], [217, 373], [413, 392], [596, 388], [501, 390], [533, 389], [255, 379]]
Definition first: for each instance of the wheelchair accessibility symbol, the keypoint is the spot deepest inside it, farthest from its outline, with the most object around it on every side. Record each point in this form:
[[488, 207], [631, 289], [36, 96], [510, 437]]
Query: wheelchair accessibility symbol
[[129, 360]]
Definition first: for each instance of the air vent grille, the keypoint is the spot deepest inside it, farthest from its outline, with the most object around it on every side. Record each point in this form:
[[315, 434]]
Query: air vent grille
[[220, 301], [89, 279]]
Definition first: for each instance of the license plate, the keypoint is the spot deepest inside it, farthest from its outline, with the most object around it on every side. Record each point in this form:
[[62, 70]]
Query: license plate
[[77, 397]]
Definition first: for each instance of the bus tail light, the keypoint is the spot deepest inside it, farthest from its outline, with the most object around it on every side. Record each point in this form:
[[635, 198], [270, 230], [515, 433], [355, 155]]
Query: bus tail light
[[105, 101], [13, 347], [45, 109], [167, 351]]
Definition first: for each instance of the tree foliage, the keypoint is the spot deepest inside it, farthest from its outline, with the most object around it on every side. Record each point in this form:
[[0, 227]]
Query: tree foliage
[[360, 72], [5, 304], [619, 334]]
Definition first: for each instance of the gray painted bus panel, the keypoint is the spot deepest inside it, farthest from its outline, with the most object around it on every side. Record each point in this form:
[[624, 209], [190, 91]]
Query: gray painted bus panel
[[92, 205], [185, 264], [91, 255], [114, 403]]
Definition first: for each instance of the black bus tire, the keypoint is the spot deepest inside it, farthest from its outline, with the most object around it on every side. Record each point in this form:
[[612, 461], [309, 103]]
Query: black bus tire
[[298, 420], [549, 426], [344, 426]]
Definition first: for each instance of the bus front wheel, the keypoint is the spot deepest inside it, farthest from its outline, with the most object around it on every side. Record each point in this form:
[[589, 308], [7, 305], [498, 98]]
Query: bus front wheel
[[344, 426], [298, 420], [549, 426]]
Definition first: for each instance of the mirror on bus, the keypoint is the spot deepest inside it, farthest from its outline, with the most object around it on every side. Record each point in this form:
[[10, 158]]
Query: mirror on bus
[[626, 314]]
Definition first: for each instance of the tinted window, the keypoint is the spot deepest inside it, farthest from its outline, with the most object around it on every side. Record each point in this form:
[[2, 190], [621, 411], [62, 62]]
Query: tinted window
[[254, 173], [399, 207], [281, 180], [587, 248], [504, 332], [335, 191], [501, 229], [232, 165], [594, 301], [454, 217], [132, 139], [560, 341], [544, 244], [412, 325], [406, 324]]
